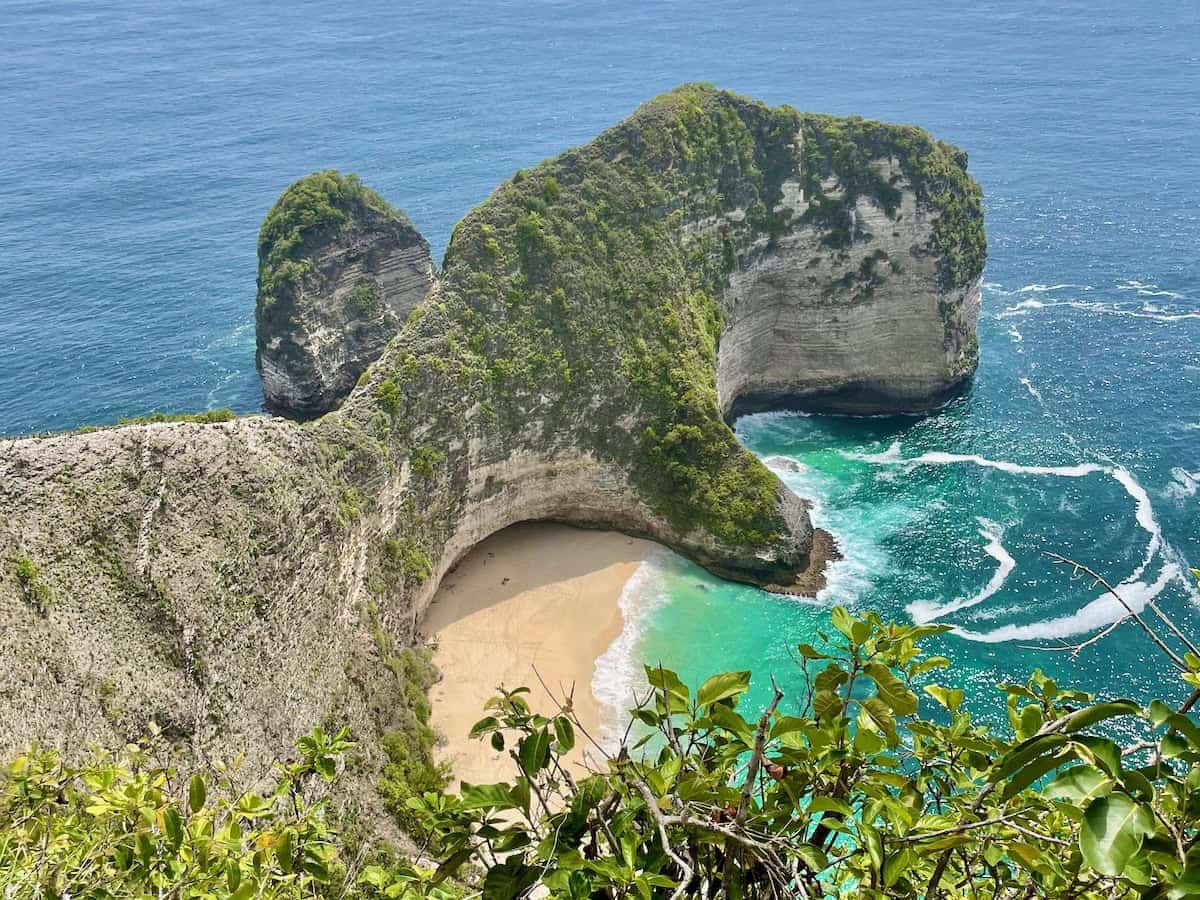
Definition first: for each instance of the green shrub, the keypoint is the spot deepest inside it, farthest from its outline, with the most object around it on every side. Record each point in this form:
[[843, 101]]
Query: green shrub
[[425, 460], [120, 826], [208, 417], [873, 782], [411, 771], [388, 395], [366, 297], [35, 590]]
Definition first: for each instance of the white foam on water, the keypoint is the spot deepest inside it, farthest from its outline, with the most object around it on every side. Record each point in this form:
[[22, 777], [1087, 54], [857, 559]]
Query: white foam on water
[[1184, 484], [1132, 589], [1021, 308], [1016, 336], [618, 673], [1097, 614], [1191, 426], [1108, 309], [938, 458], [1033, 391], [1044, 288], [888, 457], [1144, 515], [923, 611]]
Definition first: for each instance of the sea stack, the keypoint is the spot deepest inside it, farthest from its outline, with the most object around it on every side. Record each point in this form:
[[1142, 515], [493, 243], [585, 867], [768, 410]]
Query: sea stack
[[338, 272]]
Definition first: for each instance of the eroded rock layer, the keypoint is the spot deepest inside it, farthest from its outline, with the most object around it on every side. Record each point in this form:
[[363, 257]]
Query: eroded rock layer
[[595, 321], [339, 271]]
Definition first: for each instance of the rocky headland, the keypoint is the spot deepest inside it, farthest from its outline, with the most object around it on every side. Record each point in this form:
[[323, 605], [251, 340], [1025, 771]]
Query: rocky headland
[[595, 324]]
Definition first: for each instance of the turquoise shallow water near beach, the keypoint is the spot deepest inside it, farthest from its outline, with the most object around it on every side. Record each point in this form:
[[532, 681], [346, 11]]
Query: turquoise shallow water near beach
[[143, 142]]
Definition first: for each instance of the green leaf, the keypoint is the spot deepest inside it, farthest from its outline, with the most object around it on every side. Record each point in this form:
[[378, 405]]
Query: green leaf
[[729, 720], [1032, 772], [196, 793], [891, 689], [1024, 753], [1112, 832], [564, 733], [452, 864], [813, 857], [719, 687], [534, 751], [1085, 718], [233, 875], [827, 704], [1080, 784], [486, 796], [843, 621], [928, 665], [483, 726], [497, 740], [667, 681], [1188, 883], [787, 725], [509, 880], [829, 804], [1100, 751], [173, 825], [808, 651], [285, 850], [949, 698]]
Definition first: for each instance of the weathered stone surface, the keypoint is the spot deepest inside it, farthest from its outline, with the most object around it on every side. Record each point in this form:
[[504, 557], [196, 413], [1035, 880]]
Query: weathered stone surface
[[594, 321], [318, 332], [870, 328]]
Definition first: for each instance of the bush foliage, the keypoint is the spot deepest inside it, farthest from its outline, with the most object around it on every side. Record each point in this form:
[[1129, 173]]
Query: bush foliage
[[877, 784]]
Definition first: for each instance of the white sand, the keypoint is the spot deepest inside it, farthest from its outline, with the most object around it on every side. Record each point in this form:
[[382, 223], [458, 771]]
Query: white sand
[[536, 594]]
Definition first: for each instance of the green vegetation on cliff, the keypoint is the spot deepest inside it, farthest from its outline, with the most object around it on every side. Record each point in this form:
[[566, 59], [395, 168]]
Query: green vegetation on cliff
[[307, 215], [593, 282]]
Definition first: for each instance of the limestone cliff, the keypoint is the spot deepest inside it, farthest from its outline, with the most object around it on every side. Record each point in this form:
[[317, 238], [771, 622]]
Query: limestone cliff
[[595, 321], [339, 271]]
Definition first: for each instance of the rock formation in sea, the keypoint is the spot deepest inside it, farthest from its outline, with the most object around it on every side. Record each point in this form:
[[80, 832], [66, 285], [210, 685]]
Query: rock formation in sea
[[595, 323], [339, 272]]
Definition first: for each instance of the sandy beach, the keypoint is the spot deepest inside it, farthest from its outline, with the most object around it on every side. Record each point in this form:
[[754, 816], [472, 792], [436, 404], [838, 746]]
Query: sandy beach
[[537, 594]]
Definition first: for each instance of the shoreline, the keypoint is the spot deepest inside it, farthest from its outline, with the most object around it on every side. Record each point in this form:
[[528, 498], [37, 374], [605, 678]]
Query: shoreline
[[537, 595]]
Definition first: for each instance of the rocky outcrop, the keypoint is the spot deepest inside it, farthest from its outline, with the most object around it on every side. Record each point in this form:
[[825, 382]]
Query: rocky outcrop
[[870, 327], [339, 272], [594, 322]]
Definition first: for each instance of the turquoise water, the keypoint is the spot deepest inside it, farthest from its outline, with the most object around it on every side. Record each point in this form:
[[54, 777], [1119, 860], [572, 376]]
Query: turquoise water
[[949, 518], [141, 143]]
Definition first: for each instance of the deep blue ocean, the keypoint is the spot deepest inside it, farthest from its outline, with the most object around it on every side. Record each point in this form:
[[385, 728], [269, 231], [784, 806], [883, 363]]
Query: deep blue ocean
[[141, 143]]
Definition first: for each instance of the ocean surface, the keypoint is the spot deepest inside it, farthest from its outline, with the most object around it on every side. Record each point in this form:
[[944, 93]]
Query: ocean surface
[[141, 143]]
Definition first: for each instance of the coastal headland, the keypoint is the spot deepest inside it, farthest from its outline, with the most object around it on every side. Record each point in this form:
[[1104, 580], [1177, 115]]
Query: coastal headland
[[593, 327]]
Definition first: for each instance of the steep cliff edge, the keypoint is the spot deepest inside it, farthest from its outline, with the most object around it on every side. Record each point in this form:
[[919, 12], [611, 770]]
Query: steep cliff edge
[[595, 321]]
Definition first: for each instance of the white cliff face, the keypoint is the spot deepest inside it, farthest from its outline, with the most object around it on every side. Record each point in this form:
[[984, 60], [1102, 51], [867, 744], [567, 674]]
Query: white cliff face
[[868, 328], [313, 345]]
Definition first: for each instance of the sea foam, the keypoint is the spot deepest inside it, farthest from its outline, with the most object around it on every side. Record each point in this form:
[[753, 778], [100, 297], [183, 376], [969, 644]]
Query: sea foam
[[618, 675]]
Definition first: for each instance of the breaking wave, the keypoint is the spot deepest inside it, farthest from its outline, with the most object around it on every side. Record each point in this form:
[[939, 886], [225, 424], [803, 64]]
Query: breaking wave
[[618, 671], [1102, 611], [923, 611]]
